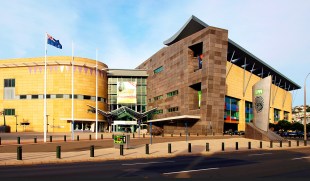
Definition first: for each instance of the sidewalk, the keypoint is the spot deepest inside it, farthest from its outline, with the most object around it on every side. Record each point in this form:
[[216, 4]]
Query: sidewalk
[[155, 150]]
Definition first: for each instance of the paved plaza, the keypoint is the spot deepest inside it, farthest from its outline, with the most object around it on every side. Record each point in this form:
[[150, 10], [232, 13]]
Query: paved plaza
[[79, 151]]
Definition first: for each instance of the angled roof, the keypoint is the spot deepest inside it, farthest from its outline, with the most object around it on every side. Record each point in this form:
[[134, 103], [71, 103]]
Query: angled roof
[[236, 55]]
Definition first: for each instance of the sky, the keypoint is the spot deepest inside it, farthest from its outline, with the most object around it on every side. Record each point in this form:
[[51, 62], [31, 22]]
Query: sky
[[127, 32]]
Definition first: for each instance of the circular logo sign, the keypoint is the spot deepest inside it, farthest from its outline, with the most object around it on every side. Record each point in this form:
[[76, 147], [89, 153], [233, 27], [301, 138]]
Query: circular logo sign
[[259, 103]]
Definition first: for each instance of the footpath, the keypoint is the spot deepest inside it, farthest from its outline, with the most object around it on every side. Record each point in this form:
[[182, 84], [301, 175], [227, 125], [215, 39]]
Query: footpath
[[104, 150]]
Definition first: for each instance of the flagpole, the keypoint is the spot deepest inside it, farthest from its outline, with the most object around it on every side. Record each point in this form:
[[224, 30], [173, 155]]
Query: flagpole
[[72, 91], [96, 94], [45, 75]]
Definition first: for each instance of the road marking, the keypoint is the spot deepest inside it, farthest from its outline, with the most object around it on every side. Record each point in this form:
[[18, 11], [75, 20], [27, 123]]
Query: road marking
[[186, 171], [259, 154], [127, 164], [306, 157]]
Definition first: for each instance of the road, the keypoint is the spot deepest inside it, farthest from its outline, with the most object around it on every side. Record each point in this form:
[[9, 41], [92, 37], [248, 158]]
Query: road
[[270, 164]]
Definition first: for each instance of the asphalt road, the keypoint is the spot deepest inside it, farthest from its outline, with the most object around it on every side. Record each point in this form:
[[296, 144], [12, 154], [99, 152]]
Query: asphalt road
[[293, 164]]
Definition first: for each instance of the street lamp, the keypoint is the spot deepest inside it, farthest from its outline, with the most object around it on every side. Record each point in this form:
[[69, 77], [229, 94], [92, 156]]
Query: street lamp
[[16, 122], [305, 115]]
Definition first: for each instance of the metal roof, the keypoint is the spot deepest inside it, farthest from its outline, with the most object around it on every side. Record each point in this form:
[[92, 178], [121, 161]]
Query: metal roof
[[237, 55], [127, 73]]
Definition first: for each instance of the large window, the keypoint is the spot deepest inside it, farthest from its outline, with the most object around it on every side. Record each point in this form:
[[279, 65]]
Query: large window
[[276, 114], [248, 112], [9, 82], [9, 112], [286, 115], [231, 114]]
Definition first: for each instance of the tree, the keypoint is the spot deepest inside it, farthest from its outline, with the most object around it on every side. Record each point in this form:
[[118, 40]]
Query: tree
[[297, 126], [284, 125]]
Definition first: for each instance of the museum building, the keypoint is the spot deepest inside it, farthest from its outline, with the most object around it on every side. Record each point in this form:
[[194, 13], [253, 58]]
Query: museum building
[[200, 81]]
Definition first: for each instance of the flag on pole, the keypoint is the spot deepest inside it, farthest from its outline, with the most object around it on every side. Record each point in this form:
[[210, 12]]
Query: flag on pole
[[52, 41]]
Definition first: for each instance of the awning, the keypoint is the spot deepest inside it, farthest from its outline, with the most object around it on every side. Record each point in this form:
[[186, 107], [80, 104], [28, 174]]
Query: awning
[[82, 119], [181, 118]]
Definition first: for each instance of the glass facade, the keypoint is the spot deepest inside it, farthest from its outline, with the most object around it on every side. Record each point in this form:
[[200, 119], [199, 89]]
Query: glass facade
[[140, 95], [231, 114], [248, 112]]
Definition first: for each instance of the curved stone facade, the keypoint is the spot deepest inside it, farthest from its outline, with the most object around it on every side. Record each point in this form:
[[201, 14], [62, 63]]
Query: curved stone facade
[[22, 90]]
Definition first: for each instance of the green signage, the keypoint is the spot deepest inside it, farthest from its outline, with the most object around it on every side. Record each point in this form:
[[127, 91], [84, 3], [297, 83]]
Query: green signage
[[259, 92], [119, 139]]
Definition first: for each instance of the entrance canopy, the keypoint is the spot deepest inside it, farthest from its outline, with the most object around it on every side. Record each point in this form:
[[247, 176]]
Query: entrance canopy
[[177, 118], [121, 112]]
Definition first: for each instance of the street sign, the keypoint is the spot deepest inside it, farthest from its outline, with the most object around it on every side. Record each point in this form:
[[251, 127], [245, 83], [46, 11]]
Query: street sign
[[119, 139]]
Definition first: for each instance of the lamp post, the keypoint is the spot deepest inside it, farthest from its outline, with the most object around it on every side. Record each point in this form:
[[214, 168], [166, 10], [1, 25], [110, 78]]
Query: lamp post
[[16, 123], [305, 109]]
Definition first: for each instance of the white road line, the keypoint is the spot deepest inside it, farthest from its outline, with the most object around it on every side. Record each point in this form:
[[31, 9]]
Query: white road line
[[259, 154], [128, 164], [306, 157], [186, 171]]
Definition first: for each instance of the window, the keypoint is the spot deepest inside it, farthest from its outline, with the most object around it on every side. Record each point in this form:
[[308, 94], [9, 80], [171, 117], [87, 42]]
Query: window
[[248, 112], [159, 69], [34, 96], [158, 98], [173, 109], [59, 96], [48, 96], [173, 93], [9, 82], [9, 112], [231, 114], [276, 114], [23, 97], [159, 111], [286, 115], [87, 97]]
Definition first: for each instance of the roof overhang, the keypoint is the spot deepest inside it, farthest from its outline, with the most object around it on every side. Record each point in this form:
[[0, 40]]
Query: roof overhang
[[237, 55], [178, 118], [81, 119]]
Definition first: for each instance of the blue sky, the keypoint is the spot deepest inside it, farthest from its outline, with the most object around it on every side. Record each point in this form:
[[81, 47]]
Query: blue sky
[[127, 32]]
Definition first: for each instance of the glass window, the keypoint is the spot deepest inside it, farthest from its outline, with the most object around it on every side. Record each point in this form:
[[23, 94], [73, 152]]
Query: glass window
[[59, 95], [23, 97], [87, 97], [173, 93], [231, 114], [159, 69], [173, 109], [9, 82], [9, 112], [248, 111], [276, 114], [34, 96]]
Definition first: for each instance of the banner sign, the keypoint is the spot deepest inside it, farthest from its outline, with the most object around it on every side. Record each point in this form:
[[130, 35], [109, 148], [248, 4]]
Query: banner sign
[[119, 139], [126, 92]]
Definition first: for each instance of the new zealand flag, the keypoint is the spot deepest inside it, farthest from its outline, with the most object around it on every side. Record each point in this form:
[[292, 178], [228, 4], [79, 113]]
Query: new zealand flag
[[53, 42]]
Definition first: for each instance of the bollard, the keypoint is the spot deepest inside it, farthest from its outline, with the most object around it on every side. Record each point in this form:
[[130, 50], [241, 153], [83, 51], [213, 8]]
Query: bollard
[[0, 140], [65, 138], [171, 134], [189, 134], [236, 145], [18, 140], [147, 150], [51, 139], [297, 142], [207, 147], [223, 146], [19, 153], [90, 137], [280, 143], [133, 135], [305, 142], [270, 144], [289, 143], [249, 145], [169, 147], [197, 134], [58, 152], [101, 136], [189, 147], [260, 144], [112, 136], [143, 135], [213, 133], [180, 134], [78, 138], [92, 151], [35, 140], [121, 149], [162, 135]]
